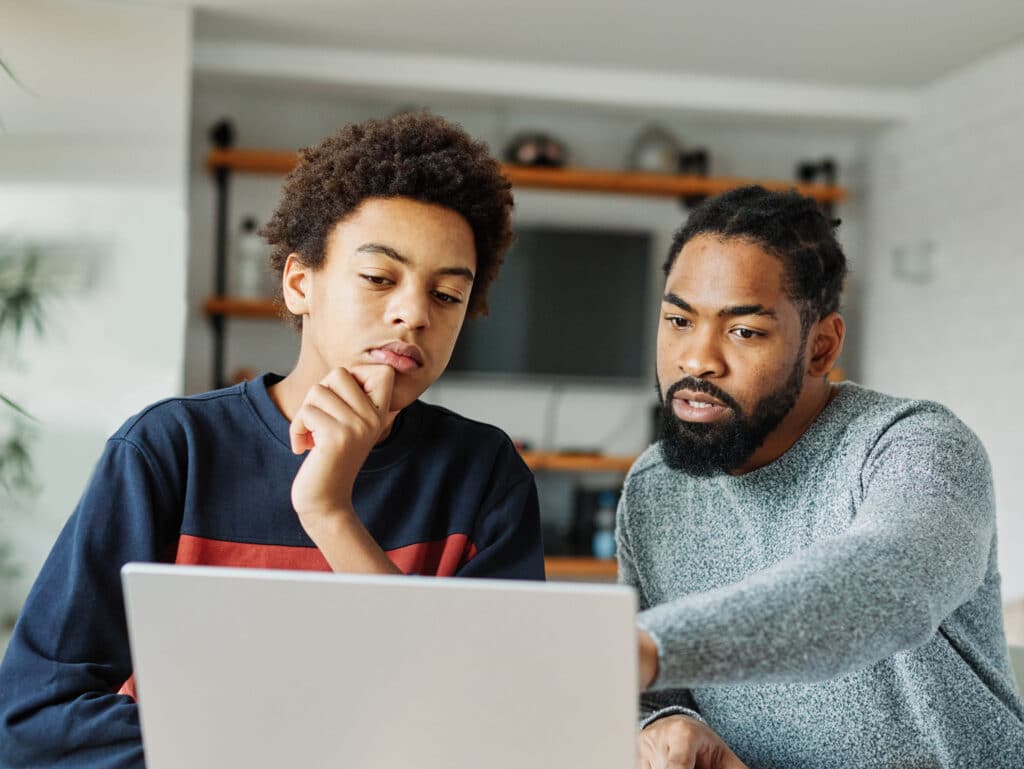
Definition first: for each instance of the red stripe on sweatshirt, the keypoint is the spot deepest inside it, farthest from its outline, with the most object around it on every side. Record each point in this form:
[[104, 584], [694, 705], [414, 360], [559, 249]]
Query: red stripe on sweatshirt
[[440, 558]]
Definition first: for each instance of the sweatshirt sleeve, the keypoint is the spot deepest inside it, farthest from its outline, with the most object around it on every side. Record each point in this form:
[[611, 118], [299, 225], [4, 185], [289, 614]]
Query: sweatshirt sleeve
[[69, 654], [507, 535], [916, 550]]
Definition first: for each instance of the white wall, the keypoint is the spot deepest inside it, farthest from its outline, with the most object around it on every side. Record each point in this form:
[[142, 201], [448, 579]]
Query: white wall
[[94, 158], [944, 279]]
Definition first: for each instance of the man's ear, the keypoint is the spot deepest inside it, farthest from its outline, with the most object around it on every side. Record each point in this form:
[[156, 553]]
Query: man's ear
[[296, 285], [825, 344]]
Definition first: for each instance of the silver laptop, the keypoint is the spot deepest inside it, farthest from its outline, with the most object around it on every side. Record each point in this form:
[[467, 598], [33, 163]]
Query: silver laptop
[[292, 670]]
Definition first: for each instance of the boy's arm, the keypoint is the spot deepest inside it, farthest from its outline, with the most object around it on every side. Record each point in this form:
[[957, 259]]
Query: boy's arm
[[339, 421], [508, 532], [69, 654]]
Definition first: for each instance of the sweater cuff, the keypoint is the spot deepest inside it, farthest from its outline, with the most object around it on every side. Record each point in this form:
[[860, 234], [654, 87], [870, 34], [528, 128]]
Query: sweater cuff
[[671, 710], [655, 637]]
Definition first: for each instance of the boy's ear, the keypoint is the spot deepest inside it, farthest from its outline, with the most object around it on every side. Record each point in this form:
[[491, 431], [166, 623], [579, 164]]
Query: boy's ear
[[295, 285], [826, 343]]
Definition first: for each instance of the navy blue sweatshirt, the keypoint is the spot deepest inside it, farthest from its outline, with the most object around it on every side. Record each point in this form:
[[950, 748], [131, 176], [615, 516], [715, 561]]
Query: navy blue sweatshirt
[[207, 480]]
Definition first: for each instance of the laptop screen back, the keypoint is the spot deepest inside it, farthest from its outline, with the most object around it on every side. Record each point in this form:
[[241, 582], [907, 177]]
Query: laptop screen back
[[271, 669]]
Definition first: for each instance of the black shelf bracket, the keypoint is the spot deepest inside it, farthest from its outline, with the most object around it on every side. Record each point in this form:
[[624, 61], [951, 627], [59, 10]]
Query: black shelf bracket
[[222, 135]]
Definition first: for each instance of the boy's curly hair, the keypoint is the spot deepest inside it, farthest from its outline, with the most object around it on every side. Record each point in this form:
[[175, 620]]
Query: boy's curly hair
[[412, 155]]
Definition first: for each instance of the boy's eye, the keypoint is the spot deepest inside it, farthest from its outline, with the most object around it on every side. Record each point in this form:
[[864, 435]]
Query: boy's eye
[[447, 298], [376, 280]]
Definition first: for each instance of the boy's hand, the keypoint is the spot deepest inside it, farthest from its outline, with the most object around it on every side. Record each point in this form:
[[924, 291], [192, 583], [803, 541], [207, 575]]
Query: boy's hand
[[339, 422], [681, 742]]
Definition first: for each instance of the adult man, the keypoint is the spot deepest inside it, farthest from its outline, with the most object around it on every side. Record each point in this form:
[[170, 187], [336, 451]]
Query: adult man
[[385, 236], [816, 562]]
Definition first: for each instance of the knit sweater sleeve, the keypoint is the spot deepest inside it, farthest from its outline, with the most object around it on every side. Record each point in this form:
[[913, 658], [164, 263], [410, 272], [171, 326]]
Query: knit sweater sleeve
[[69, 654], [917, 549]]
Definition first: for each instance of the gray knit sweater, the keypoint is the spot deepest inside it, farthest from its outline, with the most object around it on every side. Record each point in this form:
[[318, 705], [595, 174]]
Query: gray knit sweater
[[838, 607]]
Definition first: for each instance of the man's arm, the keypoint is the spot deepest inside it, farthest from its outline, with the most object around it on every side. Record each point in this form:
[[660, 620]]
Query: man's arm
[[672, 733], [69, 654], [917, 550], [668, 702]]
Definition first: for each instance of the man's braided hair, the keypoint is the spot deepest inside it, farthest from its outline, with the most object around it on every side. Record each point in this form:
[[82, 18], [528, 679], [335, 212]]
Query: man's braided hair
[[788, 225]]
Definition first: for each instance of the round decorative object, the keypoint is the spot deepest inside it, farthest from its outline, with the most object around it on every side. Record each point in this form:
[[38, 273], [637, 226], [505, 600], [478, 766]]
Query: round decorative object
[[536, 149], [655, 150]]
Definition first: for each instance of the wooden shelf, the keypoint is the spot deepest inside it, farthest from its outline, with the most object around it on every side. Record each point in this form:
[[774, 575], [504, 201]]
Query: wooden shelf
[[663, 185], [579, 179], [252, 161], [578, 568], [552, 460], [239, 307]]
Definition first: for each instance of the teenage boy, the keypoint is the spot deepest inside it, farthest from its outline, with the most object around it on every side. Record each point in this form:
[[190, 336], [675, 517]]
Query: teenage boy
[[816, 562], [386, 236]]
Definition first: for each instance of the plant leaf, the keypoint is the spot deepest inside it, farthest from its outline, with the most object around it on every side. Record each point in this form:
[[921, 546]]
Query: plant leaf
[[10, 73], [16, 473], [16, 407]]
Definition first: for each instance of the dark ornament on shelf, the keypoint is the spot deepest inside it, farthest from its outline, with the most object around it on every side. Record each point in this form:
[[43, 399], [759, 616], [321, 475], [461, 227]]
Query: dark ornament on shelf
[[536, 149], [822, 171], [816, 172], [696, 162], [222, 134]]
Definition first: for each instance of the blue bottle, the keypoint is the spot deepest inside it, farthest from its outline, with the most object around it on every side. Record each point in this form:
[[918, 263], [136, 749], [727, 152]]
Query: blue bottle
[[603, 543]]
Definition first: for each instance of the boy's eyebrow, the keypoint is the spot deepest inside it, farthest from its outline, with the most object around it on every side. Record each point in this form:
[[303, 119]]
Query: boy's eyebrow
[[390, 253], [735, 311]]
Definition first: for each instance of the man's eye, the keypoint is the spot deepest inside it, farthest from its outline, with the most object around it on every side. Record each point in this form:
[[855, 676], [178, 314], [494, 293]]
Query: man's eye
[[376, 280], [677, 321], [747, 333]]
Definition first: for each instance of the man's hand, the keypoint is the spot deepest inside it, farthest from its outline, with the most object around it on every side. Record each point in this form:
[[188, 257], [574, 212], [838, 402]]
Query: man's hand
[[339, 422], [681, 742]]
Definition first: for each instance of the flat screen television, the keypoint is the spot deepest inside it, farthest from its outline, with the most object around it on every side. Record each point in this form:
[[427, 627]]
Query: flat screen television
[[569, 302]]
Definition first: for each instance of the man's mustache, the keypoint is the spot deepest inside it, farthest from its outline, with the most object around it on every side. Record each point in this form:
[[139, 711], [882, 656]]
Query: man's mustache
[[703, 386]]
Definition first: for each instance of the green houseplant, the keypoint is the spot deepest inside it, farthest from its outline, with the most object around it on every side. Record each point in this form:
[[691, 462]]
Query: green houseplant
[[22, 291], [22, 295]]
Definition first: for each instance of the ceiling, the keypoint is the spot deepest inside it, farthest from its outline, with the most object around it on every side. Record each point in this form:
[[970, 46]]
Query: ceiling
[[863, 43]]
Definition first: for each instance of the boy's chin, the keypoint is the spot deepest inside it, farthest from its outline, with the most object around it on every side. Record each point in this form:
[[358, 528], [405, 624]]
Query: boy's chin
[[404, 395]]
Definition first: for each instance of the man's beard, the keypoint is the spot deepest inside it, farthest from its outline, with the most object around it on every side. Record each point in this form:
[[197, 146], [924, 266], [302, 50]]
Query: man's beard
[[710, 448]]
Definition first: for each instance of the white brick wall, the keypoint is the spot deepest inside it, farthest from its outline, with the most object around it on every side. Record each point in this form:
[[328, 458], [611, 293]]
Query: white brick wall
[[946, 196]]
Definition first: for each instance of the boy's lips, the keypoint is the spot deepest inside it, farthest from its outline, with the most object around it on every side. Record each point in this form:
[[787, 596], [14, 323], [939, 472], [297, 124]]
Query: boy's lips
[[402, 357]]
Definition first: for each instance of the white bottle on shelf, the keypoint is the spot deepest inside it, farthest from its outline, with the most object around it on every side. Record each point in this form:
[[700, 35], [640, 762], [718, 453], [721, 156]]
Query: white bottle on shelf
[[250, 273]]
